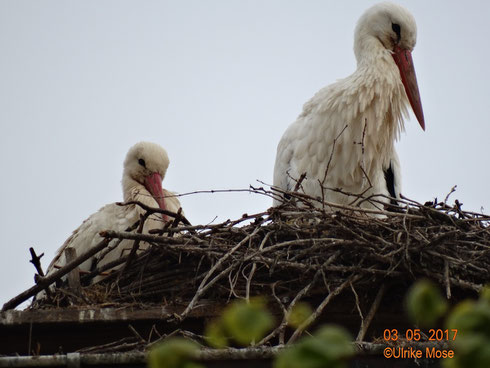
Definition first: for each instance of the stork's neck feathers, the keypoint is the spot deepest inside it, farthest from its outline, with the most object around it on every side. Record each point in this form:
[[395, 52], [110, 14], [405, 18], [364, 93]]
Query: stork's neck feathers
[[383, 103], [380, 86], [372, 95], [134, 191], [372, 102]]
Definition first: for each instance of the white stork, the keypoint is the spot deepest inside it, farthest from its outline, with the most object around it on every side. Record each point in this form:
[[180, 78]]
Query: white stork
[[344, 138], [144, 169]]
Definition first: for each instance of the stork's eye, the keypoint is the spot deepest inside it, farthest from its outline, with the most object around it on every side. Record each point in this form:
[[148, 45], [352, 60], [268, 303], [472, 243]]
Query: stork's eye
[[396, 28], [142, 162]]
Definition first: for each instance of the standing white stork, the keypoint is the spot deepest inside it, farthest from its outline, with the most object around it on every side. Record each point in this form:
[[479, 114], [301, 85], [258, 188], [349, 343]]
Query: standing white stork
[[344, 138], [144, 169]]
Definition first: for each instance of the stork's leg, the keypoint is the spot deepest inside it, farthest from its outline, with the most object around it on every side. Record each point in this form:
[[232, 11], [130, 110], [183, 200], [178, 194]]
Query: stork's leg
[[390, 183]]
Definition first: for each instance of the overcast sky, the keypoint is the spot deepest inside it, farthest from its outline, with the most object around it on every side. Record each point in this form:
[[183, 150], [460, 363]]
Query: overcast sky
[[216, 83]]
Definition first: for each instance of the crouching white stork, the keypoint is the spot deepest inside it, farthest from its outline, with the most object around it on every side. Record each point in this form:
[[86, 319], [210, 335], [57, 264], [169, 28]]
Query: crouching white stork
[[144, 169], [344, 138]]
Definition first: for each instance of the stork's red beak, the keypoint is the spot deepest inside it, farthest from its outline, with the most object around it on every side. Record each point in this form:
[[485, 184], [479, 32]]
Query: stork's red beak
[[153, 183], [403, 59]]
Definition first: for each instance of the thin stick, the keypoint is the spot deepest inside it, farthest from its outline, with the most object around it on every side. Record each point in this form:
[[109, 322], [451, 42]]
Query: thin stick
[[152, 210], [218, 264], [320, 308], [281, 328], [374, 308], [44, 282], [446, 277], [357, 304], [136, 244], [322, 183], [254, 267], [36, 261]]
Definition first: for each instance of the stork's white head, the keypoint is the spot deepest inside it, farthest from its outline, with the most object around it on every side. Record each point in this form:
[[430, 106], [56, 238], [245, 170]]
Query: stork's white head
[[390, 28], [146, 163], [389, 24]]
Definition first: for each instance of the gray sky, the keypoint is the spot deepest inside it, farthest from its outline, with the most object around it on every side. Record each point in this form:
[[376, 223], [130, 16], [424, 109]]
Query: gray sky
[[216, 83]]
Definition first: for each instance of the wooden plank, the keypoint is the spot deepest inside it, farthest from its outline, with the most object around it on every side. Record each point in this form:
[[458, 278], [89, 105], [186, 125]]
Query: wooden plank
[[90, 315], [73, 275]]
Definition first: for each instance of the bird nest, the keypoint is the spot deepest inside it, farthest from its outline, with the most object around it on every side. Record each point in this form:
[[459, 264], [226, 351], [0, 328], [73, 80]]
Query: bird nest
[[293, 252], [340, 260]]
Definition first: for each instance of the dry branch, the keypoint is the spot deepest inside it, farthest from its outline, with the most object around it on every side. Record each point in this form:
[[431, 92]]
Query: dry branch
[[44, 282]]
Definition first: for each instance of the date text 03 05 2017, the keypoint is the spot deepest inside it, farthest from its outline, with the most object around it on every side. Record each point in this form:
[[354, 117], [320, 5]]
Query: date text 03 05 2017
[[416, 335]]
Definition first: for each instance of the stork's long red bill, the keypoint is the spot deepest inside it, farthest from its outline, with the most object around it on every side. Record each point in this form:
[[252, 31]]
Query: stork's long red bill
[[403, 59], [153, 183]]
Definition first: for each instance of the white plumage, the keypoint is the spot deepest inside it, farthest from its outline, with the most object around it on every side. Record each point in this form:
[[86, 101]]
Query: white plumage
[[344, 138], [144, 169]]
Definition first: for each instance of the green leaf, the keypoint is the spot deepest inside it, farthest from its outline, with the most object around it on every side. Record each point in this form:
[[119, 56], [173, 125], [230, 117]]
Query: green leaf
[[174, 353], [331, 346], [299, 314], [336, 340], [215, 335], [485, 295], [472, 350], [247, 322], [425, 303], [192, 365], [472, 344], [470, 317]]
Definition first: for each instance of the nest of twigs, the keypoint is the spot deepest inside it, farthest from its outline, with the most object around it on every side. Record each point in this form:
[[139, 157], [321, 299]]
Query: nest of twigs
[[296, 252]]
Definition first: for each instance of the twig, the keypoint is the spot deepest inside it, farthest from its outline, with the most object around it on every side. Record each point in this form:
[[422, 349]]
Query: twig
[[36, 261], [136, 243], [357, 304], [254, 267], [203, 287], [372, 312], [152, 210], [322, 183], [138, 336], [48, 280], [320, 308], [299, 181], [446, 278], [453, 189]]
